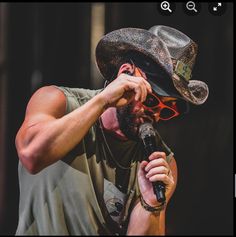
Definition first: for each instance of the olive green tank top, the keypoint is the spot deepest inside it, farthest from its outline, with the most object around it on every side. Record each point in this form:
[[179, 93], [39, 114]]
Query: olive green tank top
[[85, 193]]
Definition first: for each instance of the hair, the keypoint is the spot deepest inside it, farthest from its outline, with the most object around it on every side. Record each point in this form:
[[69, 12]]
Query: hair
[[138, 59], [123, 60]]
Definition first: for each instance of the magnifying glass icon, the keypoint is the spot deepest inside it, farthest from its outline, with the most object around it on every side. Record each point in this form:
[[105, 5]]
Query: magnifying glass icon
[[165, 6], [191, 6]]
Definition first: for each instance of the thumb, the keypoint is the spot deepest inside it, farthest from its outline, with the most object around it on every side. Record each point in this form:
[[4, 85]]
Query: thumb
[[141, 171]]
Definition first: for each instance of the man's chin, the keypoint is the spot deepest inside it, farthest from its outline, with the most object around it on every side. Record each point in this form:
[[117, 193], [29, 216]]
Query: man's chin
[[129, 123]]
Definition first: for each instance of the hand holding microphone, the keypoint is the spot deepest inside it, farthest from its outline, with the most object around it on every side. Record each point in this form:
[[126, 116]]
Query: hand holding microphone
[[148, 137]]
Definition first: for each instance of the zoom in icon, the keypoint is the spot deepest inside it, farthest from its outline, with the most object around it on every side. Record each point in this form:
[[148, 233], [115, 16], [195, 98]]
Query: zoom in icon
[[166, 8]]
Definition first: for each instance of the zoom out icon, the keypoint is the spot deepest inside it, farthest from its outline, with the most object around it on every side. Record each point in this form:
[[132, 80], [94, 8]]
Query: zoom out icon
[[192, 8]]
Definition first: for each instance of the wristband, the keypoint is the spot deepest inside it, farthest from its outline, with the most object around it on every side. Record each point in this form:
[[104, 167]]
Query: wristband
[[150, 208]]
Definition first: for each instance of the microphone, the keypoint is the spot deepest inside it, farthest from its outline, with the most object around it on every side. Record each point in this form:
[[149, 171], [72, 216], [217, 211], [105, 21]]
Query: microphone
[[148, 137]]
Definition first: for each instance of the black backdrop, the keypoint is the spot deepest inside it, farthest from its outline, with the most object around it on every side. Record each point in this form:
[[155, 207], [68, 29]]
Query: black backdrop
[[49, 43]]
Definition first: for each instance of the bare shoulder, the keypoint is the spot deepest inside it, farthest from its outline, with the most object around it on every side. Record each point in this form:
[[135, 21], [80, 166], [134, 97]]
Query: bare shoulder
[[46, 103]]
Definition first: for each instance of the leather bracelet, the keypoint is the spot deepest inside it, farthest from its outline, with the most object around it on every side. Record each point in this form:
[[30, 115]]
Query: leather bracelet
[[150, 208]]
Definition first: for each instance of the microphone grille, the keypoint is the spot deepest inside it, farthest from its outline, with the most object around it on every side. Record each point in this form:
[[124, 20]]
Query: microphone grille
[[146, 129]]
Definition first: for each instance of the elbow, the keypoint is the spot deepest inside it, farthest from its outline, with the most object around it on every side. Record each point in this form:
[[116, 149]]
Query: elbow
[[28, 156], [30, 160]]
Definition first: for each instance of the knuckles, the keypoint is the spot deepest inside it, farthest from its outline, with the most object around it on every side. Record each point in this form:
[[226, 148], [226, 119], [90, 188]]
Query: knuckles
[[156, 163], [158, 154]]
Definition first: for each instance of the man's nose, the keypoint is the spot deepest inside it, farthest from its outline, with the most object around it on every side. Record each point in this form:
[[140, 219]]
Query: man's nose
[[138, 107]]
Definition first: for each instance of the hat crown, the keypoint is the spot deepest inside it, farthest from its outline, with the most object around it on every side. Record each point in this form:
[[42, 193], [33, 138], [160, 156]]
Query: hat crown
[[118, 43], [180, 46]]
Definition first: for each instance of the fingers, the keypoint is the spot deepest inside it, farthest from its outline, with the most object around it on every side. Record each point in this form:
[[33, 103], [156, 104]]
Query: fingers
[[161, 177], [157, 154], [124, 89], [157, 168], [140, 86], [157, 159]]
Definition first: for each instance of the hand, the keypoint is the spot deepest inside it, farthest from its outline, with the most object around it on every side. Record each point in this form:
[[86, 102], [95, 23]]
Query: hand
[[124, 89], [157, 169]]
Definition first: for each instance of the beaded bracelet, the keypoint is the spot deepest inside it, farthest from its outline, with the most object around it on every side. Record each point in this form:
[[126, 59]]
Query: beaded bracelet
[[150, 208]]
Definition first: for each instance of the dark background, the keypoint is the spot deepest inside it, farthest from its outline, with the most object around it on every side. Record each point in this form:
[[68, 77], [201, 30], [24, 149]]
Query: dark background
[[49, 43]]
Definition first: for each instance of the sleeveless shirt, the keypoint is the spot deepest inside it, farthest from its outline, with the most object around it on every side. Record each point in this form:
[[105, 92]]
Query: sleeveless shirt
[[84, 193]]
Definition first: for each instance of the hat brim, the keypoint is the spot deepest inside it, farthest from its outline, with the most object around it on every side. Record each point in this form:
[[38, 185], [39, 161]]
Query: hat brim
[[194, 91], [163, 92]]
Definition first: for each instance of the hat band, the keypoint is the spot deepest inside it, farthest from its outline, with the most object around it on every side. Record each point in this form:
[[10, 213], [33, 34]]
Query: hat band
[[183, 70]]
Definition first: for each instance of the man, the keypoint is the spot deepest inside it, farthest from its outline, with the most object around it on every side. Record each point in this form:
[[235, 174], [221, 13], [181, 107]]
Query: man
[[82, 168]]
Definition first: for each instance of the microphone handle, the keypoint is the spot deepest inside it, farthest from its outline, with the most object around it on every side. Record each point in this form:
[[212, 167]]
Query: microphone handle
[[158, 186]]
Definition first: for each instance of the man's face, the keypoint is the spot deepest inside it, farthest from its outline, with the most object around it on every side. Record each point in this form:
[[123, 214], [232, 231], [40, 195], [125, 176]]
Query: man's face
[[155, 108], [131, 116]]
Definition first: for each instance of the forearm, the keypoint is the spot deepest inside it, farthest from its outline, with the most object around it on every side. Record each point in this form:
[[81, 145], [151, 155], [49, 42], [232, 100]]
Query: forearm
[[143, 222], [44, 143]]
